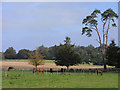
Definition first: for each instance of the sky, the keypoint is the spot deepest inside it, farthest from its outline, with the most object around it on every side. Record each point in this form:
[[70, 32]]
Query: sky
[[29, 25]]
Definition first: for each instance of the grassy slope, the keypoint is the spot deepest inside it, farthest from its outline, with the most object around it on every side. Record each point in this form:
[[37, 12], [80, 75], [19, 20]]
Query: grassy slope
[[70, 80]]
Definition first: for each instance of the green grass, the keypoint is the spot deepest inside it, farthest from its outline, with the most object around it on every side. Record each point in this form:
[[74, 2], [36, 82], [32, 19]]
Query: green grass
[[16, 79], [25, 60], [49, 61], [16, 60]]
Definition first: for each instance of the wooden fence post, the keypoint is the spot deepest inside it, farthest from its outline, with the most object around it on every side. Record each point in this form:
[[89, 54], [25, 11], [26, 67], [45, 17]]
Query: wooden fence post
[[57, 71], [6, 74], [46, 71]]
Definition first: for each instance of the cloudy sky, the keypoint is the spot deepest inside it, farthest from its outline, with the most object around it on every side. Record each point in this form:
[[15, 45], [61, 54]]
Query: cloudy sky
[[29, 25]]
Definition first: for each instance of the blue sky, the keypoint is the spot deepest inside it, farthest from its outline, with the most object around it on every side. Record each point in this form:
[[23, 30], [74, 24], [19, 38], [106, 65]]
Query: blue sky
[[29, 25]]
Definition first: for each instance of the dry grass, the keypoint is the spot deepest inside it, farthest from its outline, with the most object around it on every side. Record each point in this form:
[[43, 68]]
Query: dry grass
[[26, 66]]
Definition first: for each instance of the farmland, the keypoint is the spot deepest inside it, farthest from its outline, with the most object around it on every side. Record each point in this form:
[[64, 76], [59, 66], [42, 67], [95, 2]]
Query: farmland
[[26, 79], [23, 77], [24, 65]]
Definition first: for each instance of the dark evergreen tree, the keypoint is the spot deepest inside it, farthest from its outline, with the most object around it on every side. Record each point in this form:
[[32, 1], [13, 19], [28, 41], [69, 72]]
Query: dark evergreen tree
[[66, 55], [113, 55]]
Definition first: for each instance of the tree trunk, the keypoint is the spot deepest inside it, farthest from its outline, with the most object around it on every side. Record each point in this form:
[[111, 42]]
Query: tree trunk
[[105, 66], [67, 68], [104, 62], [36, 66]]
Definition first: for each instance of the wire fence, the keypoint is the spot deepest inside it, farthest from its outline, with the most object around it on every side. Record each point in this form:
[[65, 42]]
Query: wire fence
[[89, 70]]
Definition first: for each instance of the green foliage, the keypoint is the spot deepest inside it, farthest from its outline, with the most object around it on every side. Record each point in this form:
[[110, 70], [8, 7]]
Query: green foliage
[[87, 54], [113, 55], [43, 51], [91, 21], [90, 54], [95, 55], [2, 56], [109, 14], [10, 53], [23, 54], [66, 55], [96, 58], [83, 54], [67, 41], [51, 54]]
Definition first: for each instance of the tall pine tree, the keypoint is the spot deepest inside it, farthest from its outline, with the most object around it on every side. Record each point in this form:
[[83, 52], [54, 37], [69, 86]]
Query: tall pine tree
[[66, 55]]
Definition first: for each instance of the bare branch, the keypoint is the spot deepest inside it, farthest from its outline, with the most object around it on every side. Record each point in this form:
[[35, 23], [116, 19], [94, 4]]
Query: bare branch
[[98, 41], [102, 20], [93, 29]]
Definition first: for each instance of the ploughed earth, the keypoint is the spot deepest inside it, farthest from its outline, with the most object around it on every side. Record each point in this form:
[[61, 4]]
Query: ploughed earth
[[27, 66]]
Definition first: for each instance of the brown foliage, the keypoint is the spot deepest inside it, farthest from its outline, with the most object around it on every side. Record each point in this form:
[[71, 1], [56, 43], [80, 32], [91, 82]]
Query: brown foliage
[[36, 59]]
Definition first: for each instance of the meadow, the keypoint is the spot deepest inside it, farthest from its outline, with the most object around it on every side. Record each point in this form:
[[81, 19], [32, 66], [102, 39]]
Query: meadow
[[26, 79], [25, 60], [45, 61]]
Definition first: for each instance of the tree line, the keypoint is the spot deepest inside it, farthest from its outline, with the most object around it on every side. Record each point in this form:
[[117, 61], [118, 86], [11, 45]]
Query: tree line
[[68, 54], [89, 54]]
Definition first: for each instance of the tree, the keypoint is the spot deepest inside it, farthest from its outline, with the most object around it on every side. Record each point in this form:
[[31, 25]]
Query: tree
[[83, 54], [66, 55], [2, 56], [91, 24], [90, 49], [10, 53], [43, 51], [23, 54], [113, 55], [36, 59], [67, 41], [96, 58], [51, 53]]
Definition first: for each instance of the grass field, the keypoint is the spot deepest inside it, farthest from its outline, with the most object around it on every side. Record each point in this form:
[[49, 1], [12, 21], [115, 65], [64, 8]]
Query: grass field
[[48, 63], [26, 60], [26, 79]]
